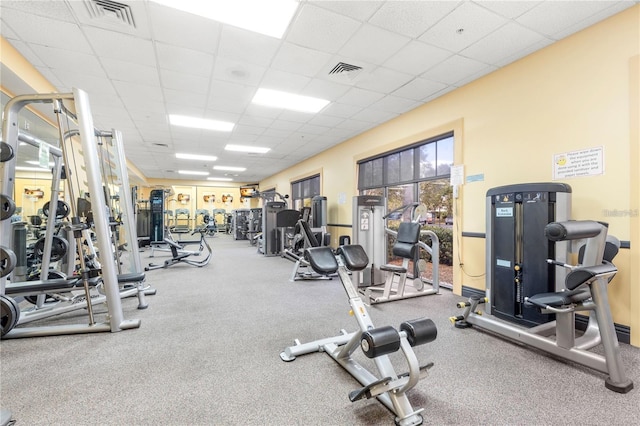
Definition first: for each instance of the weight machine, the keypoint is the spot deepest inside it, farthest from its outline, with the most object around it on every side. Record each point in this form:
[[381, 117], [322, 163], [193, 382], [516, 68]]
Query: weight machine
[[533, 292], [8, 150], [388, 387]]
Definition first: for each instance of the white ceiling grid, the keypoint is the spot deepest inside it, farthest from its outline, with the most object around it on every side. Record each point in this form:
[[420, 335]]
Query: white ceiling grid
[[173, 62]]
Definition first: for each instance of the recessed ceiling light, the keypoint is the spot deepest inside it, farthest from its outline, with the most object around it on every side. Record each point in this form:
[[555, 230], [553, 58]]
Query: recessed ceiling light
[[229, 168], [220, 179], [285, 100], [196, 157], [32, 169], [265, 17], [37, 163], [200, 123], [245, 148], [191, 172]]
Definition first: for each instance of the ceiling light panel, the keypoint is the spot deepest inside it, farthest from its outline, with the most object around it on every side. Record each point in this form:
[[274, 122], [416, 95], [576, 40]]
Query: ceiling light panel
[[285, 100], [196, 157], [229, 168], [193, 172], [245, 148], [265, 17], [200, 123]]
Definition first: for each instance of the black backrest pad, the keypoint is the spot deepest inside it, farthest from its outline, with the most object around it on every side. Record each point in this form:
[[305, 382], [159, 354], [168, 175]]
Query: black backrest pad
[[355, 258], [321, 259], [408, 237], [304, 226]]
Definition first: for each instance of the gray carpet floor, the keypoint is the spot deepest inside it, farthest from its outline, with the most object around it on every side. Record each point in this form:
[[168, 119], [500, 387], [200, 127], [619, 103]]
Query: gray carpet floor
[[207, 353]]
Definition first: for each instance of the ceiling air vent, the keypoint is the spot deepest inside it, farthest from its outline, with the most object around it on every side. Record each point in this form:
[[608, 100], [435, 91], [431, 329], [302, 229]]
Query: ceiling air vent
[[112, 10], [344, 73]]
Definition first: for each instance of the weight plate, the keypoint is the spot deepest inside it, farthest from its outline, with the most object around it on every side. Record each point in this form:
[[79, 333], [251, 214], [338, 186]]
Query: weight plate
[[8, 261], [9, 314], [52, 275], [8, 207], [62, 209], [6, 152], [59, 247]]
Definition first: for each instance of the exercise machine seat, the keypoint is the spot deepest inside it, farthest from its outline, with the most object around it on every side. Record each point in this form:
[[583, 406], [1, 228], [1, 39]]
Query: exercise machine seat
[[321, 259], [408, 236], [355, 258]]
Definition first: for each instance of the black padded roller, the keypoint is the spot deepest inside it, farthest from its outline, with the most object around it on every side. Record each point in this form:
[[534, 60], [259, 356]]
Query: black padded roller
[[572, 230], [380, 341], [419, 331]]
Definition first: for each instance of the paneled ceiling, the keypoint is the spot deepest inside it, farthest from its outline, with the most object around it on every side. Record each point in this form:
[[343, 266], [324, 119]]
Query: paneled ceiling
[[161, 61]]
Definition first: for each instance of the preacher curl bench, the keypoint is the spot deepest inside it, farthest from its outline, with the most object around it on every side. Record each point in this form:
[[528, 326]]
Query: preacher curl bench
[[376, 343]]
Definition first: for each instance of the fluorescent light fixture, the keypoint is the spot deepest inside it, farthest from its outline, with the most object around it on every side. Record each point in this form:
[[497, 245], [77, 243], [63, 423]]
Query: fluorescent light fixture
[[265, 17], [229, 168], [246, 148], [37, 163], [200, 123], [196, 157], [285, 100], [32, 169], [220, 179], [191, 172]]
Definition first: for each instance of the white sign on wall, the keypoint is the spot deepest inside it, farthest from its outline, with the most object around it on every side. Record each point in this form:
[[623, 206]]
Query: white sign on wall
[[585, 162]]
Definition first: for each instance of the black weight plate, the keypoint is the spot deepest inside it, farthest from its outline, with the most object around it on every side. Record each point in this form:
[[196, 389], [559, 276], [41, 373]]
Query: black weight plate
[[8, 207], [9, 314], [59, 247], [8, 261], [6, 152], [62, 209]]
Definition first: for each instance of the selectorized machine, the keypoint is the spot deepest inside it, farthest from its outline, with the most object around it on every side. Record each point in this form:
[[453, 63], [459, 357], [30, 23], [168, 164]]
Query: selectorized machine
[[534, 292]]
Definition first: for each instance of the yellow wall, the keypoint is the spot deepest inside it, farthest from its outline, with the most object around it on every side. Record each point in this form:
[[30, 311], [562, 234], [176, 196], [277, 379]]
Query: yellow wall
[[580, 92]]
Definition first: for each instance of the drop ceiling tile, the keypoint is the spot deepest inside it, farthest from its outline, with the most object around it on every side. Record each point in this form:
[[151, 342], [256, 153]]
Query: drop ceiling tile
[[464, 26], [419, 89], [614, 8], [553, 17], [321, 29], [395, 104], [139, 93], [262, 111], [130, 72], [295, 116], [508, 9], [45, 31], [416, 57], [300, 60], [524, 52], [360, 97], [247, 46], [411, 18], [312, 129], [383, 80], [373, 44], [326, 120], [52, 78], [348, 127], [184, 82], [65, 59], [342, 110], [124, 47], [476, 75], [374, 116], [95, 86], [284, 81], [324, 89], [360, 10], [226, 69], [454, 69], [184, 60], [50, 9], [172, 26], [182, 97], [502, 43], [285, 125]]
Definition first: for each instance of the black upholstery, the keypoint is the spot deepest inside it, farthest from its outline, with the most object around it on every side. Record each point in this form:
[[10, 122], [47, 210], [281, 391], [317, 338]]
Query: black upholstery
[[134, 277], [321, 259], [584, 274], [306, 229], [572, 230], [558, 299], [287, 218], [354, 256], [408, 237]]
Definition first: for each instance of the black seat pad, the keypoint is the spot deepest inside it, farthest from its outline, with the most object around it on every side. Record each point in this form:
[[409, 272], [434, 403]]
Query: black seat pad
[[25, 287], [321, 259], [560, 298], [584, 274], [354, 256], [134, 277]]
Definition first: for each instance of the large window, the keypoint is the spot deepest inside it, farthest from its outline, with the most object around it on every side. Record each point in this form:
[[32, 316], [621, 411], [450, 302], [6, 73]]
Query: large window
[[416, 173], [303, 190]]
